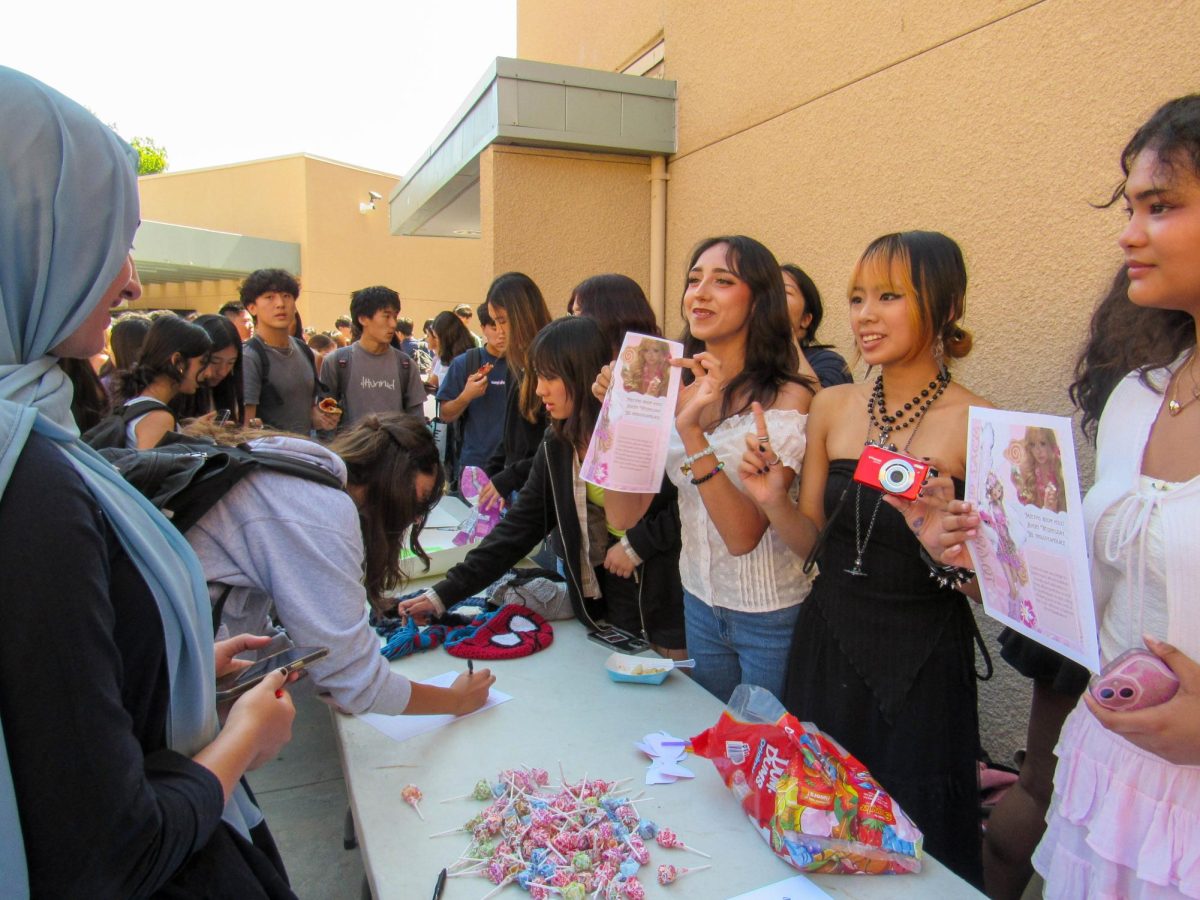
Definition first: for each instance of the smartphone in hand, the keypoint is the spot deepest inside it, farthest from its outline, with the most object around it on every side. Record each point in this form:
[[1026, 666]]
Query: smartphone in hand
[[290, 660], [1136, 679]]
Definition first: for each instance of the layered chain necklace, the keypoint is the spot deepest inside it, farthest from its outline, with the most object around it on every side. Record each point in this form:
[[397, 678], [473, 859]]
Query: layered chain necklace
[[909, 416]]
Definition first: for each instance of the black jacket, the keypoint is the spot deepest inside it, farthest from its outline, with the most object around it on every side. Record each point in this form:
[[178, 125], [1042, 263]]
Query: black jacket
[[510, 463], [650, 604]]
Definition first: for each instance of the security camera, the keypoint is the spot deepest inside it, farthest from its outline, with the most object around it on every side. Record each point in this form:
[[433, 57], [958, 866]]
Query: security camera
[[374, 196]]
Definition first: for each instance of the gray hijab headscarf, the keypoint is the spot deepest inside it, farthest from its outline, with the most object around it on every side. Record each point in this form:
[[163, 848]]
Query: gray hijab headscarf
[[68, 212]]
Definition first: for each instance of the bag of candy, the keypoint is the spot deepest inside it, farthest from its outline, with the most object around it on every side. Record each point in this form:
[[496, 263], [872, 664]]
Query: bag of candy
[[815, 804]]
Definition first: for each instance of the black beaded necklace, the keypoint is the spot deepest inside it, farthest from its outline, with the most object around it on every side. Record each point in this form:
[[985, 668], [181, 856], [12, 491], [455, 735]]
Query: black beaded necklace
[[885, 424]]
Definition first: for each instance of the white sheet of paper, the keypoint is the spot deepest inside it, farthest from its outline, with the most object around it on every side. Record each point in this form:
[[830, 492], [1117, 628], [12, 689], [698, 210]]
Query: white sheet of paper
[[401, 728], [798, 887], [628, 449], [1031, 552]]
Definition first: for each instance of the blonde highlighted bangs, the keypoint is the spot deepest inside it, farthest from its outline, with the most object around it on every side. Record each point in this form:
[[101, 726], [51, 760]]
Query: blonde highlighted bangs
[[888, 265]]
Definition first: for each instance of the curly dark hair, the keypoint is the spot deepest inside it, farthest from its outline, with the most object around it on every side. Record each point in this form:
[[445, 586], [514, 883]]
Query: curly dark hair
[[1124, 337], [771, 357], [264, 281]]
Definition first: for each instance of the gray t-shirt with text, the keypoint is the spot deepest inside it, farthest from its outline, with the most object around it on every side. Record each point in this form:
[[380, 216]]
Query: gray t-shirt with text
[[373, 383]]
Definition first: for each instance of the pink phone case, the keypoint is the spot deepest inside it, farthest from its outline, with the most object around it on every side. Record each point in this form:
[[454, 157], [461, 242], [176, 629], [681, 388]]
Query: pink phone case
[[1136, 679]]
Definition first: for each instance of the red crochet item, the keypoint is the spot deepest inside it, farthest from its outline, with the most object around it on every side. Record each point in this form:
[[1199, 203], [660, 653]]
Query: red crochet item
[[510, 632]]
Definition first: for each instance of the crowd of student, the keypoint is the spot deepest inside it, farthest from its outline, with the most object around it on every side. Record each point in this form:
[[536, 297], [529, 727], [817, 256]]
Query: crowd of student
[[116, 757]]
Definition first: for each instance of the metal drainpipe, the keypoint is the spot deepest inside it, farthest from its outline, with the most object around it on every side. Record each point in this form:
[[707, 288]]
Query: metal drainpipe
[[658, 238]]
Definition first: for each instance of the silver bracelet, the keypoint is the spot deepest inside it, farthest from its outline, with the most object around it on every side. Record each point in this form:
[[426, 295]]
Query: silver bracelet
[[686, 468], [629, 551]]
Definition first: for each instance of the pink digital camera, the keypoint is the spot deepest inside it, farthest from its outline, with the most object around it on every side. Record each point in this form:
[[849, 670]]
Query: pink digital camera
[[893, 472], [1136, 679]]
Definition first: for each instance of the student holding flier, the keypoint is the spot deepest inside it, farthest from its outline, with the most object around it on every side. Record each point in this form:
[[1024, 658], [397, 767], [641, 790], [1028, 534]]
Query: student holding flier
[[1122, 822], [882, 656], [742, 585]]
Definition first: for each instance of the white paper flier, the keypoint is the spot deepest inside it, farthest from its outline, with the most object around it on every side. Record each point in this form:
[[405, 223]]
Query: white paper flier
[[628, 450], [1031, 554]]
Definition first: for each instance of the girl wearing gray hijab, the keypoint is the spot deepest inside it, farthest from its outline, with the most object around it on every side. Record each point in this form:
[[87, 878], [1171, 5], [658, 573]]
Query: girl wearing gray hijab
[[115, 777]]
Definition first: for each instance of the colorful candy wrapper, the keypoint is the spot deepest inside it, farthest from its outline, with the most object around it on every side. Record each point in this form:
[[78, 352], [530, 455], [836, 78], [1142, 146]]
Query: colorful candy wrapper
[[411, 794], [815, 804]]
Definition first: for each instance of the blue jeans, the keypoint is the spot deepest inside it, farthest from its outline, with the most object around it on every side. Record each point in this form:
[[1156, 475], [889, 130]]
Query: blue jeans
[[732, 648]]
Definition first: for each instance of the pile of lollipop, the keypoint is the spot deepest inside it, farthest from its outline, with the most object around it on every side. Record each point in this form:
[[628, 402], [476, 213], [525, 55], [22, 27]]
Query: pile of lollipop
[[573, 840]]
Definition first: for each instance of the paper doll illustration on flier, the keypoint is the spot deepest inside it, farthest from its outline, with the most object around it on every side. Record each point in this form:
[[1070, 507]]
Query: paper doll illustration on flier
[[1012, 563], [648, 371], [1039, 477]]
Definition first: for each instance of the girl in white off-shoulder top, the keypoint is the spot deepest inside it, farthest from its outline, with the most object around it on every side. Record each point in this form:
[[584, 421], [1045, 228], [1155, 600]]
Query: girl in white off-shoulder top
[[742, 585]]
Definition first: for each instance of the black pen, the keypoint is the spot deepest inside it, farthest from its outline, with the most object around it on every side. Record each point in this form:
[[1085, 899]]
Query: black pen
[[440, 886], [470, 667]]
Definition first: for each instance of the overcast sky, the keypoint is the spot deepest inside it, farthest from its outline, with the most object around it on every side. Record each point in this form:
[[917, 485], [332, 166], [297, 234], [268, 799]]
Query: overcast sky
[[217, 82]]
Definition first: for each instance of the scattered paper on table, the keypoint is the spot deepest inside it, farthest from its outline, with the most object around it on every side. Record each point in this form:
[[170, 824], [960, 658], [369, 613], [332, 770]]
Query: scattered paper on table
[[798, 887], [401, 728], [666, 751]]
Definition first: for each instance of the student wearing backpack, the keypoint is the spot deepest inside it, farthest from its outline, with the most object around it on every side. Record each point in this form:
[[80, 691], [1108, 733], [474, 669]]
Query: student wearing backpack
[[116, 779], [261, 548], [280, 386], [473, 397], [168, 365], [371, 375]]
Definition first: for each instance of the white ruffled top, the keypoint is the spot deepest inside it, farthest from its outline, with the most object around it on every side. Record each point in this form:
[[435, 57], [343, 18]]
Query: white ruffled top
[[771, 576]]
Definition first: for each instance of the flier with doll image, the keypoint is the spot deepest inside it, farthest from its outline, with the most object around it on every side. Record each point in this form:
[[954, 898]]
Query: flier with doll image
[[628, 450], [1030, 552]]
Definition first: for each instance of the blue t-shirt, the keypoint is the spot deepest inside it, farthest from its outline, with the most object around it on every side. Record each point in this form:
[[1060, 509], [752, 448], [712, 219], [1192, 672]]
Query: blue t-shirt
[[483, 419]]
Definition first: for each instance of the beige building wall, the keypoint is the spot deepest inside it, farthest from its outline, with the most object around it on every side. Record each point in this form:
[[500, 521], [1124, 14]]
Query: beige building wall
[[817, 126], [562, 216], [315, 203]]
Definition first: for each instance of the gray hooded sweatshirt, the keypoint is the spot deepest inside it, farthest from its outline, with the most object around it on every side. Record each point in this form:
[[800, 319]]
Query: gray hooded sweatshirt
[[282, 540]]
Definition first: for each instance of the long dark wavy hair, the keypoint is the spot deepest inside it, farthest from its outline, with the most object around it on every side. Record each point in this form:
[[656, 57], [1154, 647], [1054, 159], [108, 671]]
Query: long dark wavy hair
[[617, 304], [573, 349], [1124, 337], [167, 336], [771, 357], [384, 454]]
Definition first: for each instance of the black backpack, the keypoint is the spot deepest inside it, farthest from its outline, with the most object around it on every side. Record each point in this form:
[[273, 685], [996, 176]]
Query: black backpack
[[109, 432], [267, 391], [186, 476]]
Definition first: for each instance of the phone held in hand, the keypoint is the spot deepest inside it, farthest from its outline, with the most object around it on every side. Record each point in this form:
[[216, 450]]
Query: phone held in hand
[[1137, 679], [290, 660], [618, 639]]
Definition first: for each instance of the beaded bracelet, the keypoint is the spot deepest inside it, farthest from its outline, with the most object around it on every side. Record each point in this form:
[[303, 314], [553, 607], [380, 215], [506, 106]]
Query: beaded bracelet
[[703, 478], [946, 576], [686, 468]]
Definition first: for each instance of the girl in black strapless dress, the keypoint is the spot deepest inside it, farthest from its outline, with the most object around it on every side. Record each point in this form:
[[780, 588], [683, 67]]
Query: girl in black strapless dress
[[882, 655]]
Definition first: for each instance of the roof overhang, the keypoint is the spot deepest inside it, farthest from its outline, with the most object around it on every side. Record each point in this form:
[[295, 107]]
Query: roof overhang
[[168, 254], [532, 104]]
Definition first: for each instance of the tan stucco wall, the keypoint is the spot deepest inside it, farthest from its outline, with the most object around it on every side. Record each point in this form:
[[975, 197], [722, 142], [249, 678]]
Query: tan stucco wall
[[561, 217], [604, 35], [313, 202], [816, 127]]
